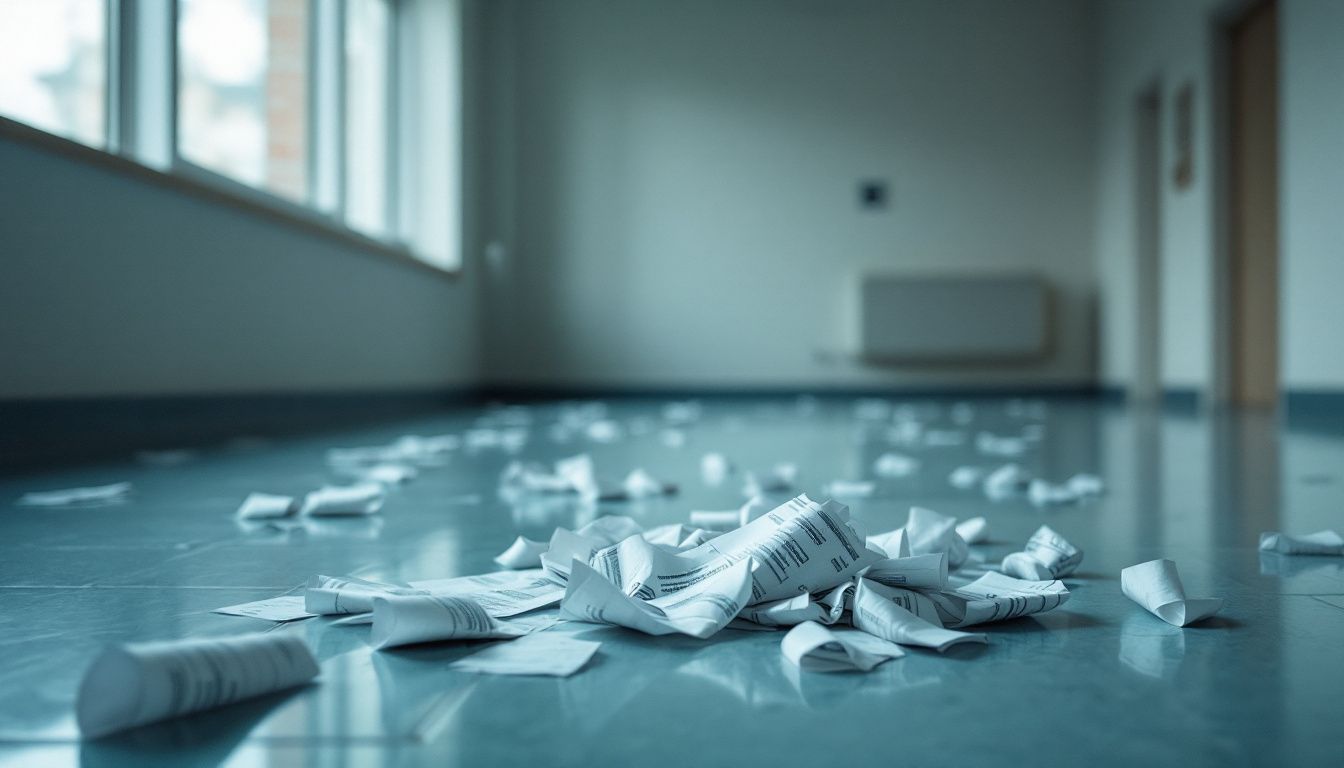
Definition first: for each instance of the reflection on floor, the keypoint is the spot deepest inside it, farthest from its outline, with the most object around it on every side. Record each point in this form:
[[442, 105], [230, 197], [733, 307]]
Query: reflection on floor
[[1099, 679]]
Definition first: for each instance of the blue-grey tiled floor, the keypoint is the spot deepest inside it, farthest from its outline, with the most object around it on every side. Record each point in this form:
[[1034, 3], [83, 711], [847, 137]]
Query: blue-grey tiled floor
[[1098, 681]]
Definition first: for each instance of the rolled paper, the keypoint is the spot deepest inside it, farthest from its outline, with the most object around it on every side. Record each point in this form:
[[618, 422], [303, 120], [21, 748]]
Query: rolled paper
[[140, 683]]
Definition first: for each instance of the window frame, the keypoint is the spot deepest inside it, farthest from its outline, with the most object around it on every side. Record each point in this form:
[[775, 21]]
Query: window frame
[[141, 127]]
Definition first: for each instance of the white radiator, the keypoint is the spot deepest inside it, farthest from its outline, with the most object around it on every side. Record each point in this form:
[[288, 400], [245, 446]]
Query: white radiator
[[953, 319]]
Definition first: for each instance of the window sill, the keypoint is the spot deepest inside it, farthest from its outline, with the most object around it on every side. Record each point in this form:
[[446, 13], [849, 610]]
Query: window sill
[[217, 189]]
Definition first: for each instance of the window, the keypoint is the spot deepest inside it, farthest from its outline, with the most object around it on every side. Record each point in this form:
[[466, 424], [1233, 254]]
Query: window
[[367, 149], [53, 66], [311, 108], [242, 91]]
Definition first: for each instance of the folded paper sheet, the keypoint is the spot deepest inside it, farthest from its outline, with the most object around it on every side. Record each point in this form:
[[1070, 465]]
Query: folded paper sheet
[[974, 531], [920, 571], [1006, 482], [361, 499], [407, 619], [522, 553], [827, 609], [798, 547], [502, 594], [139, 683], [995, 597], [928, 532], [699, 610], [546, 653], [816, 648], [330, 595], [965, 478], [266, 506], [283, 608], [98, 494], [1046, 556], [1319, 543], [1156, 586], [895, 465], [905, 617]]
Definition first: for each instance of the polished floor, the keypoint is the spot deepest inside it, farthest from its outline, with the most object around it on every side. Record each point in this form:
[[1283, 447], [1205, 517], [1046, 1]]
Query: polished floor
[[1098, 681]]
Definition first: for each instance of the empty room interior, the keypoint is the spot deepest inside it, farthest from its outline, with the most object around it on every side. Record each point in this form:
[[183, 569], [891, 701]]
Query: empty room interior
[[458, 382]]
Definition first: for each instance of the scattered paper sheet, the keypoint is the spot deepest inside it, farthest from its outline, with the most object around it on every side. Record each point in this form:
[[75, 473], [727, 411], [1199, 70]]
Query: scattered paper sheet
[[546, 653], [388, 474], [1319, 543], [851, 489], [266, 506], [1047, 556], [139, 683], [406, 619], [699, 610], [1006, 482], [918, 571], [966, 478], [816, 648], [887, 613], [799, 547], [1156, 586], [895, 465], [1000, 445], [93, 495], [328, 595], [715, 468], [995, 597], [283, 608], [974, 531], [522, 553], [927, 533], [1042, 493], [501, 594], [1086, 485], [333, 500], [827, 609]]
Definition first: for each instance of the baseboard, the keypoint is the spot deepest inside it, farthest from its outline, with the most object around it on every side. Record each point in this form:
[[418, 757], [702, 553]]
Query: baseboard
[[1314, 410], [46, 432], [541, 392]]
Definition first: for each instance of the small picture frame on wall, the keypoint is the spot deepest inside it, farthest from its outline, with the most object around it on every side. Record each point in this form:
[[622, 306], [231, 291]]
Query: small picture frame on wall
[[1183, 170]]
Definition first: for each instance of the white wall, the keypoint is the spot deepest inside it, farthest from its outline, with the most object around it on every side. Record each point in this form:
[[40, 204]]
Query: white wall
[[1142, 42], [112, 285], [1311, 189], [680, 208]]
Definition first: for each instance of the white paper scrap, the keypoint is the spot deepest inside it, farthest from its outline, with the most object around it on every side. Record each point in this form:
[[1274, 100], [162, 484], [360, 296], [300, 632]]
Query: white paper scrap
[[714, 468], [1086, 485], [360, 499], [917, 571], [851, 489], [98, 494], [407, 619], [1156, 585], [895, 465], [813, 647], [699, 610], [965, 478], [139, 683], [1047, 556], [501, 594], [545, 653], [883, 612], [522, 553], [283, 608], [974, 531], [1005, 482], [1318, 543], [1042, 492], [329, 595], [266, 506], [995, 597], [929, 532]]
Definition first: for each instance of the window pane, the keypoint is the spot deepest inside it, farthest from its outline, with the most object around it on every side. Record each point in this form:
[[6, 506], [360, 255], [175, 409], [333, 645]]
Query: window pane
[[243, 90], [366, 108], [53, 66]]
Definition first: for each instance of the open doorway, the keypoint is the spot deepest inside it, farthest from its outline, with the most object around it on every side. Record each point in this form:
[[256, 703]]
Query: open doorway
[[1147, 383], [1253, 208]]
